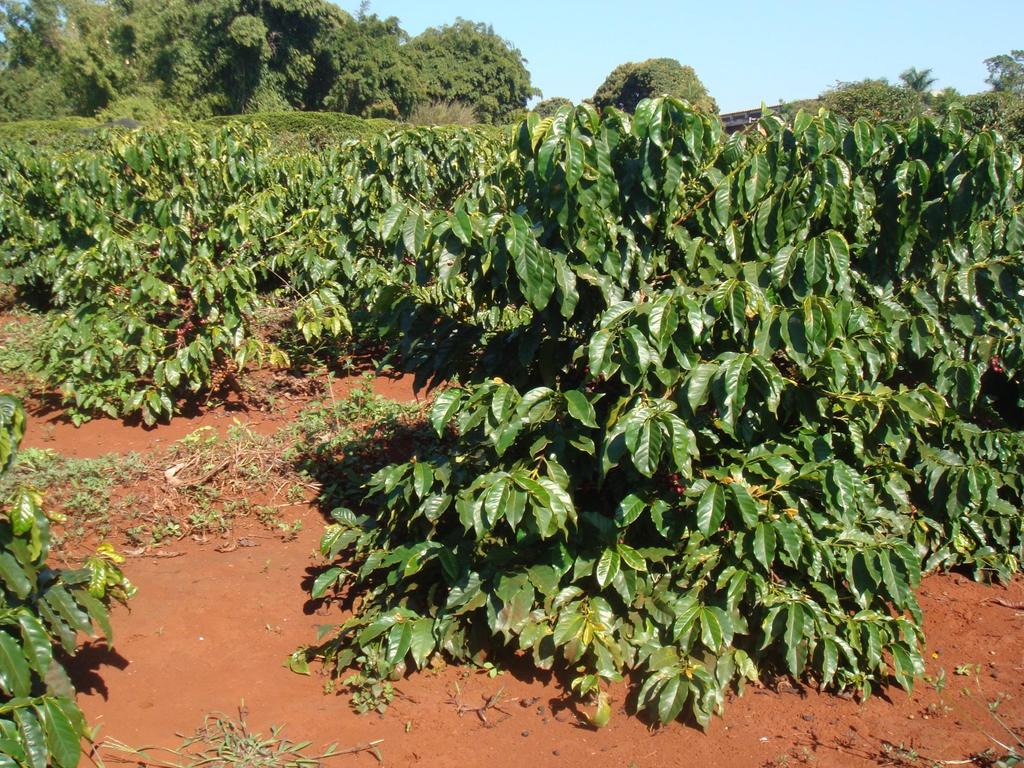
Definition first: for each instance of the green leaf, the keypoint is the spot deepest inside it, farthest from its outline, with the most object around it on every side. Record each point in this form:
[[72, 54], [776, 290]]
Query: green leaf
[[399, 641], [297, 662], [15, 677], [794, 637], [495, 499], [629, 509], [422, 643], [423, 479], [698, 383], [842, 485], [647, 447], [32, 736], [62, 739], [61, 601], [815, 261], [36, 642], [414, 233], [515, 507], [764, 545], [672, 698], [631, 557], [326, 581], [580, 408], [830, 661], [711, 632], [904, 668], [783, 264], [711, 509], [600, 353], [13, 576], [462, 225], [569, 626], [392, 220], [574, 158], [734, 379], [746, 505], [444, 407], [607, 567]]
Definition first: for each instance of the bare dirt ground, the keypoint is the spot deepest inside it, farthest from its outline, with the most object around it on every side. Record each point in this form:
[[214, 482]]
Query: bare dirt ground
[[213, 623]]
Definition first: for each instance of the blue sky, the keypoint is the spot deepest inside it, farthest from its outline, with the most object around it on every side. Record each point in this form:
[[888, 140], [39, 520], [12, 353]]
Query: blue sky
[[746, 52]]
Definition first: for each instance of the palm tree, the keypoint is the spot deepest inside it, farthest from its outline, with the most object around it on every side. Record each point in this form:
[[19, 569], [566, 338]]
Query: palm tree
[[918, 80]]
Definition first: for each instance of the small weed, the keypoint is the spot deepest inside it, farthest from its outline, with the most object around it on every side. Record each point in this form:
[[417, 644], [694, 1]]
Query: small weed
[[80, 489], [290, 531], [138, 535], [23, 349], [296, 493], [938, 682], [208, 521], [167, 529], [490, 669], [900, 755], [342, 443], [370, 686], [269, 517], [994, 704]]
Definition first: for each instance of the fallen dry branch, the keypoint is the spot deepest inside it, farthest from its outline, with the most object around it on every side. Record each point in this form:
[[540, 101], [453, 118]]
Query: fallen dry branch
[[493, 701], [1018, 606]]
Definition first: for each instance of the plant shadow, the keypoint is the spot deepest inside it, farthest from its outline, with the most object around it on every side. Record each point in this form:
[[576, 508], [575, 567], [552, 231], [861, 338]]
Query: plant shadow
[[84, 667]]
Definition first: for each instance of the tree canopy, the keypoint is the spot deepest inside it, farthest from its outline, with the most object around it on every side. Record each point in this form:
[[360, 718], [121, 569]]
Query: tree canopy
[[632, 82], [1000, 109], [469, 63], [873, 99], [918, 80], [549, 107], [197, 58], [1006, 72]]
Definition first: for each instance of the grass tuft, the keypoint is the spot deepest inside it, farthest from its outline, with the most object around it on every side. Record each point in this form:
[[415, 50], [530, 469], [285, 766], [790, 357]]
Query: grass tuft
[[225, 742]]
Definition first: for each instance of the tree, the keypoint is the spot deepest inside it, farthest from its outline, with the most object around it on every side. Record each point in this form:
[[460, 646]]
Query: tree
[[918, 80], [549, 107], [470, 63], [56, 58], [630, 83], [197, 58], [942, 100], [242, 52], [993, 110], [367, 72], [1006, 72], [873, 99]]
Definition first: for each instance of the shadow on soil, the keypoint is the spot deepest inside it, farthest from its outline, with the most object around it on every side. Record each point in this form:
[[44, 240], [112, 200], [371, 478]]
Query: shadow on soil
[[84, 667]]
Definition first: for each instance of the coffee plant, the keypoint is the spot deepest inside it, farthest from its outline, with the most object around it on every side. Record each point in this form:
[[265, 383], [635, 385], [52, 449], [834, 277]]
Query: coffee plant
[[41, 611], [160, 248], [713, 405]]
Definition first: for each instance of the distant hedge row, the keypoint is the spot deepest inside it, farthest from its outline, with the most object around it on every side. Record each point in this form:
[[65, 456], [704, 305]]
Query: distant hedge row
[[315, 128], [288, 131]]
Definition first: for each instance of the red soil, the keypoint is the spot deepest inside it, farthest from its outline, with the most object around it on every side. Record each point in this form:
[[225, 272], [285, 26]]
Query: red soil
[[50, 428], [210, 629]]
